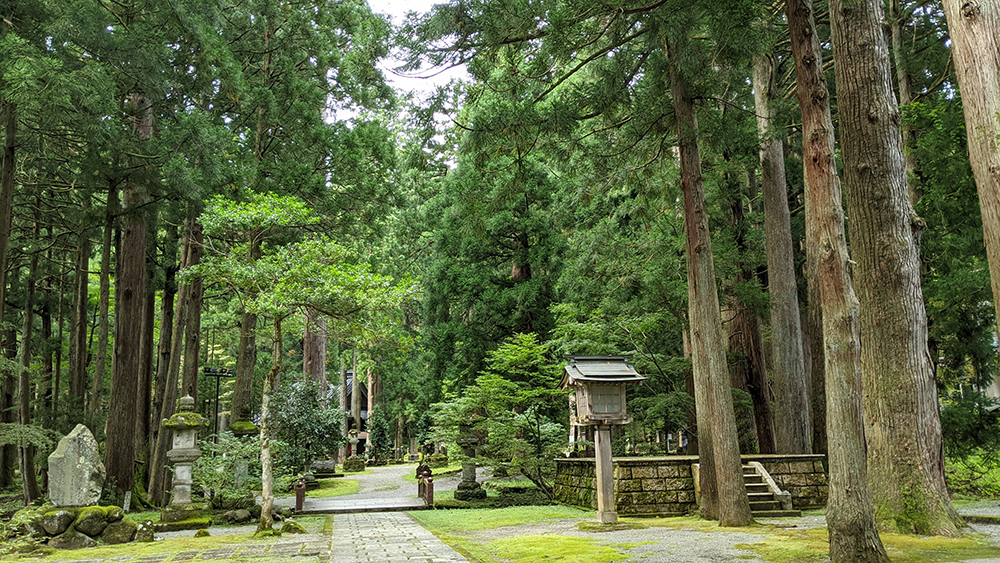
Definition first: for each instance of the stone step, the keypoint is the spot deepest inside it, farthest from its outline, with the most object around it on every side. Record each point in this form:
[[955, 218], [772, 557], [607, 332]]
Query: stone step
[[768, 505], [754, 478], [776, 513], [761, 497], [757, 487]]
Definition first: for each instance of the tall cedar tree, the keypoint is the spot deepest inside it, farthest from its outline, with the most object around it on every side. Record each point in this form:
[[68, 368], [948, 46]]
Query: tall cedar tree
[[850, 519], [903, 428], [975, 37]]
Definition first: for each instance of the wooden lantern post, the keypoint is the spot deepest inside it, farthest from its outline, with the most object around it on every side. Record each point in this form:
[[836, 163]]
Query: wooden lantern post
[[599, 383]]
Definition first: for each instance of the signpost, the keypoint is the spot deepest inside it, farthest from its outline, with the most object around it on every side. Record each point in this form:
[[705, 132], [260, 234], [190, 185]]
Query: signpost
[[218, 374]]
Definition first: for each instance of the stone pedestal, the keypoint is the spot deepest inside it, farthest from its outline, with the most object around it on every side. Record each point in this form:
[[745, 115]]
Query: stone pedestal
[[181, 513]]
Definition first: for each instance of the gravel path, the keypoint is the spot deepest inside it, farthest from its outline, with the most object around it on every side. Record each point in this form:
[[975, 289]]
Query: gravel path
[[387, 482]]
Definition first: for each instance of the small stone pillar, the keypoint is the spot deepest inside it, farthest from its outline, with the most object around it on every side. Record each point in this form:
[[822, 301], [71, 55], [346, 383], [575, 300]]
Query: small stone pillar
[[185, 424], [468, 489]]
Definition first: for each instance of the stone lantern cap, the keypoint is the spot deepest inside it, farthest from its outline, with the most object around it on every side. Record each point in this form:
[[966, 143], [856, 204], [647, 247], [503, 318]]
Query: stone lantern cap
[[185, 418], [599, 386]]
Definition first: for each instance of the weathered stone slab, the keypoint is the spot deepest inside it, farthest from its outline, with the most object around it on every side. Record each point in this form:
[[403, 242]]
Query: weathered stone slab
[[76, 473]]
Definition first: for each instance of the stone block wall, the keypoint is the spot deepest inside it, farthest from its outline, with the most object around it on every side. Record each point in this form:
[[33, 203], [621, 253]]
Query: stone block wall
[[801, 475], [665, 486]]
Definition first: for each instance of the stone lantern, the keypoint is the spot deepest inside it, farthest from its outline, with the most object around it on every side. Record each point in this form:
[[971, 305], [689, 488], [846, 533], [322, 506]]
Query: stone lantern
[[184, 424], [598, 385], [469, 488]]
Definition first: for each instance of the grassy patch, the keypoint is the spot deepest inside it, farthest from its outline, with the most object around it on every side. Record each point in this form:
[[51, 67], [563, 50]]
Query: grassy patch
[[152, 515], [460, 521]]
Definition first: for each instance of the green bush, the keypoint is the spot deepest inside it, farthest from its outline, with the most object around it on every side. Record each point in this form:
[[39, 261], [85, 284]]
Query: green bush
[[436, 461]]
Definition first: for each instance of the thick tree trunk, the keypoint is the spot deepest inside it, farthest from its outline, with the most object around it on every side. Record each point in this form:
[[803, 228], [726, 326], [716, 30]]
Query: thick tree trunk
[[792, 427], [266, 470], [850, 519], [246, 359], [126, 369], [975, 47], [105, 299], [29, 481], [8, 454], [711, 375], [192, 333], [144, 391], [905, 455]]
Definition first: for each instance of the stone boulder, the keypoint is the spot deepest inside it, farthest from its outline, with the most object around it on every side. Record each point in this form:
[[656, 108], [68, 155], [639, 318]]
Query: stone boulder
[[92, 521], [122, 531], [72, 539], [145, 531], [76, 473], [56, 522]]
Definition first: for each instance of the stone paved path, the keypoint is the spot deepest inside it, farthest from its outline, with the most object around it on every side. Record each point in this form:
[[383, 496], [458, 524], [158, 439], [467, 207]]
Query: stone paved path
[[381, 537], [386, 537]]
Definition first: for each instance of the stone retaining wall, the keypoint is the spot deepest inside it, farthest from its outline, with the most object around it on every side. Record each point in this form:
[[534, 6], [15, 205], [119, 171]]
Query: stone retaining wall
[[665, 485]]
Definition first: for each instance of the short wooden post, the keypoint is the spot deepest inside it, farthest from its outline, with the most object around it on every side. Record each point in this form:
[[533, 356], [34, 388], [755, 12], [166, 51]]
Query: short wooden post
[[606, 513]]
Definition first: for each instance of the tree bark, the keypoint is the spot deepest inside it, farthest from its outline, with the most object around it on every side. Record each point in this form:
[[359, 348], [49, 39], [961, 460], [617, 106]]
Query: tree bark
[[8, 410], [246, 359], [77, 376], [850, 519], [158, 472], [904, 83], [8, 454], [166, 320], [355, 392], [192, 333], [975, 47], [105, 300], [344, 407], [905, 451], [792, 427], [266, 471], [314, 347], [719, 450], [130, 305], [29, 482]]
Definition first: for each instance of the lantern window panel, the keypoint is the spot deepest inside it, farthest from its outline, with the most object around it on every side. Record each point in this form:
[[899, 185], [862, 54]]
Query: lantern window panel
[[606, 399]]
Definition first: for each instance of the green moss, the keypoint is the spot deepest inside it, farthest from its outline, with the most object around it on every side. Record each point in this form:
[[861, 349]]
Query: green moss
[[202, 534], [456, 521], [242, 426], [267, 533], [550, 548], [904, 548], [804, 546], [592, 527], [186, 420]]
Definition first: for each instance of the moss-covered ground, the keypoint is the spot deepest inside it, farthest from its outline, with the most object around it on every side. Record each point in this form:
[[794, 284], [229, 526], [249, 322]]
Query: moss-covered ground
[[520, 534]]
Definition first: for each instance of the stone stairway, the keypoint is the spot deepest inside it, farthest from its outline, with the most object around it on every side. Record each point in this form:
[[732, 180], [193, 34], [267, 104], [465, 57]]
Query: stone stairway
[[763, 503]]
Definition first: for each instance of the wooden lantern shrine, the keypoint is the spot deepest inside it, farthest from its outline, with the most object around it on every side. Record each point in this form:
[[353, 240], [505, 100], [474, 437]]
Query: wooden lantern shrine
[[598, 384]]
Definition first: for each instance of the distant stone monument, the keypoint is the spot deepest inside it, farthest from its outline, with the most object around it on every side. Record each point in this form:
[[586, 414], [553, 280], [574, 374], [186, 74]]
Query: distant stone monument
[[76, 473]]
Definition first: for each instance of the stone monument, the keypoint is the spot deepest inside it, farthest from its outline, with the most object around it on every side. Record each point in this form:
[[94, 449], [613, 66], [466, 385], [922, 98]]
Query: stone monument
[[185, 425], [76, 473], [468, 489]]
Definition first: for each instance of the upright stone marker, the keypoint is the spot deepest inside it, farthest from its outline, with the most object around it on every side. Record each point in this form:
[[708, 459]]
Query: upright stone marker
[[468, 489], [76, 473]]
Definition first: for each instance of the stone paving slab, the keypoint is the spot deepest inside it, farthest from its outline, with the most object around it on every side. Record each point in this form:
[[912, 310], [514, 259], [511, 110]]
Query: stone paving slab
[[386, 537]]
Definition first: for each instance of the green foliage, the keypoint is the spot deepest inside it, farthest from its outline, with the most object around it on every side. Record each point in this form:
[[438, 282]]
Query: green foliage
[[971, 427], [379, 435], [516, 406], [17, 434], [228, 471], [306, 423]]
